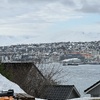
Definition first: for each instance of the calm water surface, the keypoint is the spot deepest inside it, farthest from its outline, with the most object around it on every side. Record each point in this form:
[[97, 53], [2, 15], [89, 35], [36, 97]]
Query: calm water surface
[[82, 76]]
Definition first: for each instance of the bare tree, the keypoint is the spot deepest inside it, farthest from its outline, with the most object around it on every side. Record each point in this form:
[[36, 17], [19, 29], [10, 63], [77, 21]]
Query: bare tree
[[33, 78], [53, 75], [53, 72]]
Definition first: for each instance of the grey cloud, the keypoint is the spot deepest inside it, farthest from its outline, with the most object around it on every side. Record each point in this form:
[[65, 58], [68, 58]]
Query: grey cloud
[[98, 23], [65, 2], [20, 1], [88, 7], [68, 2], [34, 11], [30, 1]]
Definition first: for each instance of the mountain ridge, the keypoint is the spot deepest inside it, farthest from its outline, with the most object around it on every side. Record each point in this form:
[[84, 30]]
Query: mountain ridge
[[64, 37]]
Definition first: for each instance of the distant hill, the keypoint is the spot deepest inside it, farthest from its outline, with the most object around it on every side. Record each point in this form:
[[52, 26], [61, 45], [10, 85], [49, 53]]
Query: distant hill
[[57, 37]]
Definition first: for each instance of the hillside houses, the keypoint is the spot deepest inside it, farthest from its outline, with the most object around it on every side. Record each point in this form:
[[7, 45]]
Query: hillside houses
[[52, 52]]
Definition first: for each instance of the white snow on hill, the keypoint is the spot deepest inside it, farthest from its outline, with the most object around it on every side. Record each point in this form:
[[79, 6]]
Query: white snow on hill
[[60, 37], [5, 85]]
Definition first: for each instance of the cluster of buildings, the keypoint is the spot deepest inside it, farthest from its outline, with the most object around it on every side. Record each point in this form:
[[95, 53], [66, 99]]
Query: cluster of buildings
[[87, 52]]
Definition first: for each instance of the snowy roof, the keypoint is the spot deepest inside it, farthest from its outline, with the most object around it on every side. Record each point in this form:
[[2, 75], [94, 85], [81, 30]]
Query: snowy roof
[[24, 96]]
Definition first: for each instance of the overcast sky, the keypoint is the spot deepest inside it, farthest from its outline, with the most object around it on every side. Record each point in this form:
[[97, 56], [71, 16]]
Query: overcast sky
[[44, 20]]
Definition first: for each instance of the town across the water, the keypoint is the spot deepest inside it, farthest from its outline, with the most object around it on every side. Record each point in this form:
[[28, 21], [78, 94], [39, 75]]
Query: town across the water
[[83, 52]]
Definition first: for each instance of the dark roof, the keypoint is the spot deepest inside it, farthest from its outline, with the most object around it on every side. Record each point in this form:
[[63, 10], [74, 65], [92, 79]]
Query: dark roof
[[92, 87], [24, 70], [59, 92], [23, 96], [23, 64]]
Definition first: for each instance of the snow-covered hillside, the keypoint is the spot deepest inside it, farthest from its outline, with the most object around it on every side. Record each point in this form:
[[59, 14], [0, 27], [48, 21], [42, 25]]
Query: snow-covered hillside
[[60, 37], [5, 85]]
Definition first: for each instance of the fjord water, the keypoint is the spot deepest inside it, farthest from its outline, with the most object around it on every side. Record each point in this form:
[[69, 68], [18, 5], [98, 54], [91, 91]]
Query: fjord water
[[82, 76]]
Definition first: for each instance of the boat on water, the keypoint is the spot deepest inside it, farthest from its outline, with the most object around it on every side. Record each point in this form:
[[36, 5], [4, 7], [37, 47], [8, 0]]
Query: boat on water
[[71, 61], [74, 64]]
